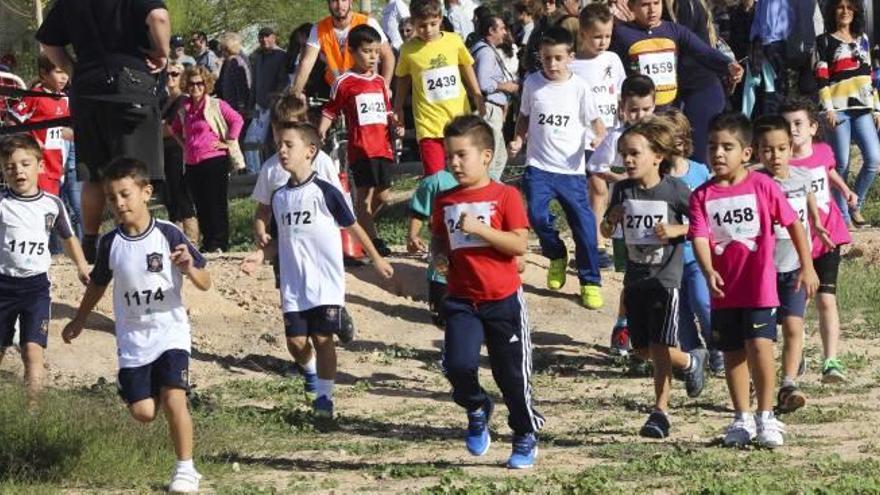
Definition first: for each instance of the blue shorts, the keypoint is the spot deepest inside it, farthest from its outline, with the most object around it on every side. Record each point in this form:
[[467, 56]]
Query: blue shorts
[[320, 319], [791, 302], [732, 327], [26, 300], [170, 370]]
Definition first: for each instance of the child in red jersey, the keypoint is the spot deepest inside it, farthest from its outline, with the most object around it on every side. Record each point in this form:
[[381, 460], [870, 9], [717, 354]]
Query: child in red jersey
[[361, 95]]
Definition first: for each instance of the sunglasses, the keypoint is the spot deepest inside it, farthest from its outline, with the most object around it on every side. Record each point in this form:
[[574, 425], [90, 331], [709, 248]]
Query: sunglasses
[[197, 83], [174, 74]]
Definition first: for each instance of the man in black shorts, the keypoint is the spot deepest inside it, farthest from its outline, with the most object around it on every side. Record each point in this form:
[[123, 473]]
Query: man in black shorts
[[114, 97]]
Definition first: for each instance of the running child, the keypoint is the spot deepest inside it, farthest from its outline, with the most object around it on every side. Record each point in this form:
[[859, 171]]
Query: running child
[[773, 138], [651, 206], [556, 111], [361, 95], [732, 218], [307, 213], [479, 228], [147, 259], [28, 216], [818, 159], [436, 68]]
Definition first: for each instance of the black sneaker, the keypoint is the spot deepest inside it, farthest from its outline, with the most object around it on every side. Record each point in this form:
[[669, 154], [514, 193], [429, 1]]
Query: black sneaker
[[90, 247], [657, 426], [695, 377], [381, 247], [790, 399], [347, 331], [716, 363]]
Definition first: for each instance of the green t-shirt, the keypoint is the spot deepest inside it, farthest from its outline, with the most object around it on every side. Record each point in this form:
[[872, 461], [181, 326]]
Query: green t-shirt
[[422, 205]]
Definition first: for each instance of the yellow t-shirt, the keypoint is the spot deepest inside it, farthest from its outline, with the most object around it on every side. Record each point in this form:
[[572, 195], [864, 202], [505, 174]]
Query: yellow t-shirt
[[438, 92]]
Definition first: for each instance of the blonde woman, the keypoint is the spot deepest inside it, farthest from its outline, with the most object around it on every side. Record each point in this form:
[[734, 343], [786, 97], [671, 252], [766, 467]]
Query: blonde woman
[[176, 195], [234, 82]]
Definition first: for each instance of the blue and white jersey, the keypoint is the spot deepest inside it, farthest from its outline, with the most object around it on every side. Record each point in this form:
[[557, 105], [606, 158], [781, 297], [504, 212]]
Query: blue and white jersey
[[26, 222], [305, 222], [147, 306]]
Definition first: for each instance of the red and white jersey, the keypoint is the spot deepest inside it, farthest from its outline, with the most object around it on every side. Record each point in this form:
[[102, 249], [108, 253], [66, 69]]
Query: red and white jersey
[[365, 103], [37, 109]]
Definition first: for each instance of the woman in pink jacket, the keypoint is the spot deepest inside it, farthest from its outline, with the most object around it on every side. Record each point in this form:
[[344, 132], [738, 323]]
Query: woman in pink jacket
[[205, 125]]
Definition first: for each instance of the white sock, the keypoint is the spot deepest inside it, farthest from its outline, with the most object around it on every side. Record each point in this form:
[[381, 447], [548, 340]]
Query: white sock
[[310, 367], [186, 466], [325, 388], [745, 415], [764, 415]]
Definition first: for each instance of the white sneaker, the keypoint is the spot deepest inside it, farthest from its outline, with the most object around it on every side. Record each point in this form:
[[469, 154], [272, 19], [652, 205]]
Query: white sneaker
[[770, 431], [184, 482], [740, 432]]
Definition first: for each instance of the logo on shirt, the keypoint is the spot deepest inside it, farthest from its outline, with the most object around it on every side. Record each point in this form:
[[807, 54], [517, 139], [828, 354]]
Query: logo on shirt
[[154, 262], [332, 314], [439, 61], [50, 221]]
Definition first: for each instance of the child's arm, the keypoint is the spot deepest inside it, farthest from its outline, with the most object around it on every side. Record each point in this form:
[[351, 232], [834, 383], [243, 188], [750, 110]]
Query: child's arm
[[612, 218], [511, 243], [386, 62], [599, 131], [383, 267], [262, 216], [807, 277], [414, 243], [667, 232], [74, 251], [837, 181], [404, 88], [522, 127], [325, 124], [184, 261], [816, 221], [94, 293], [250, 262], [473, 87], [704, 258]]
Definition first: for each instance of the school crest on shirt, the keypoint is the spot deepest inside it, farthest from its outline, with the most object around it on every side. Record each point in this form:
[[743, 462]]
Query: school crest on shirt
[[154, 262], [332, 314], [44, 327], [50, 221]]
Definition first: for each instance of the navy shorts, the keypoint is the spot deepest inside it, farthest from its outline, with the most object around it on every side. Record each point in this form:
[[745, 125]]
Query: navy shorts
[[652, 315], [320, 319], [791, 302], [170, 370], [26, 300], [732, 327], [436, 300], [827, 267]]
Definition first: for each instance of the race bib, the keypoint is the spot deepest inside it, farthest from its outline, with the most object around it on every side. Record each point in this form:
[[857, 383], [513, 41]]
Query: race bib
[[799, 205], [660, 67], [25, 250], [819, 187], [145, 304], [298, 222], [452, 217], [734, 219], [639, 219], [54, 139], [441, 84], [371, 108]]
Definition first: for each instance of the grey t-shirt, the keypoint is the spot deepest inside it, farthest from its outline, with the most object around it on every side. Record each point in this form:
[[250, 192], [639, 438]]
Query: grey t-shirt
[[796, 188], [652, 262]]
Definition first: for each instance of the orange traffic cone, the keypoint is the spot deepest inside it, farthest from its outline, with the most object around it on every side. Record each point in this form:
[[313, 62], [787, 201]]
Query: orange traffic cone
[[351, 248]]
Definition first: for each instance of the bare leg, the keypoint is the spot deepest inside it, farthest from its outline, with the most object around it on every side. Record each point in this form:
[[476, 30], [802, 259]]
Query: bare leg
[[325, 349], [792, 345], [364, 210], [32, 357], [736, 372], [300, 348], [760, 357], [829, 323], [143, 411], [180, 424], [598, 201]]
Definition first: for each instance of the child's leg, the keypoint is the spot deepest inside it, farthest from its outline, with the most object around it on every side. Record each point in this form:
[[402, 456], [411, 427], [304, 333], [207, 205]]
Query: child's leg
[[792, 345], [827, 267], [829, 323], [33, 334], [143, 410], [180, 426], [461, 354], [662, 358], [736, 372], [598, 200], [573, 199], [300, 349], [539, 190], [364, 210], [325, 352], [32, 356], [759, 353]]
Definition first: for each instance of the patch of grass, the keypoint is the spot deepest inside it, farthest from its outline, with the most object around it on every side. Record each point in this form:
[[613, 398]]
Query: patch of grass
[[819, 414], [399, 471], [405, 182], [241, 215]]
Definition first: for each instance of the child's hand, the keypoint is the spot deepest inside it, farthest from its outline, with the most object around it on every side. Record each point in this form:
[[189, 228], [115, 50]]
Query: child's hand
[[831, 118], [383, 268], [67, 133], [182, 259], [470, 224], [416, 245], [852, 199], [263, 239], [515, 146], [441, 264], [480, 102], [735, 71], [399, 131], [825, 236], [715, 284], [251, 262], [614, 215], [807, 279], [71, 331], [82, 272], [664, 232]]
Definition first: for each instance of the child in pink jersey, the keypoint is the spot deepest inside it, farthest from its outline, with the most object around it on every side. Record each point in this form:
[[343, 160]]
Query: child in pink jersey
[[818, 158], [731, 225]]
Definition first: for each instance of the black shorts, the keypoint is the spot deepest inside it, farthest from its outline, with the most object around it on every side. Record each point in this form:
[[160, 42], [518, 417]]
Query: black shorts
[[827, 267], [106, 130], [436, 299], [652, 315], [372, 172], [791, 302], [731, 327], [27, 301], [320, 319], [169, 370]]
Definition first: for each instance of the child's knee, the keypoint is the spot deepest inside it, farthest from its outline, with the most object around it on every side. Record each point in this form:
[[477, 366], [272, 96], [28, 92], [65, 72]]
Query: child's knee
[[32, 356], [143, 411], [323, 341], [173, 401], [299, 347]]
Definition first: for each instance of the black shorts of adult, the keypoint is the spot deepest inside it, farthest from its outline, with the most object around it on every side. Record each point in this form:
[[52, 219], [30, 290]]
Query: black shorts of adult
[[169, 370], [652, 316], [732, 327], [104, 130], [175, 193], [372, 172], [827, 267], [436, 297], [324, 320], [26, 300], [792, 302]]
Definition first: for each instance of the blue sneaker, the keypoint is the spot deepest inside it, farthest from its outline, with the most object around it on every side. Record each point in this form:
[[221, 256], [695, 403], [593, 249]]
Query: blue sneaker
[[323, 407], [310, 384], [478, 439], [525, 451]]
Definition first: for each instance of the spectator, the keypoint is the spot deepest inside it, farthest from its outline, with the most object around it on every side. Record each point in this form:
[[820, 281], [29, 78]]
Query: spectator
[[178, 54], [407, 30], [270, 78], [175, 193], [461, 17], [843, 70], [234, 82], [315, 84], [204, 125], [526, 21], [393, 16], [203, 56], [115, 91]]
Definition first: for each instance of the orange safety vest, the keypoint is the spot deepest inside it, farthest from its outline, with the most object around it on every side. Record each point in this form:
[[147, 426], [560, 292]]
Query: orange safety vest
[[338, 58]]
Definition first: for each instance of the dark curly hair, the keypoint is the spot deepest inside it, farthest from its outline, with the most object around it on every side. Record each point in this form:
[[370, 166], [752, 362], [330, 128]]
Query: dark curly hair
[[857, 28]]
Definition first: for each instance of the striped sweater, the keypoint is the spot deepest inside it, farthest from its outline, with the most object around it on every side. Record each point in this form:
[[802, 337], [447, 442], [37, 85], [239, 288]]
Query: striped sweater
[[843, 71]]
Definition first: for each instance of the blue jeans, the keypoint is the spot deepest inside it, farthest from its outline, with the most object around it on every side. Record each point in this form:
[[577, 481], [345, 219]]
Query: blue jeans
[[694, 303], [71, 195], [570, 190], [254, 138], [858, 125]]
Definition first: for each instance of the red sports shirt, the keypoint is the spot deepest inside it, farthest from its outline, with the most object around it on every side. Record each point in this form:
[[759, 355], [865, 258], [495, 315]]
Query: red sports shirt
[[364, 101], [477, 271], [34, 109]]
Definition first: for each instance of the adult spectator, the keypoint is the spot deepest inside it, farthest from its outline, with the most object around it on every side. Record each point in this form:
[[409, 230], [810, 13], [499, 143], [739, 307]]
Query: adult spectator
[[269, 69], [234, 82], [392, 15], [328, 40], [461, 17], [315, 84], [549, 15], [496, 84], [526, 20], [204, 125], [178, 52], [175, 193], [202, 54], [115, 89]]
